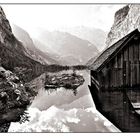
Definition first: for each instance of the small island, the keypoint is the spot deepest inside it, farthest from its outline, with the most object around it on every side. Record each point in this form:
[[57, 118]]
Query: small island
[[70, 81]]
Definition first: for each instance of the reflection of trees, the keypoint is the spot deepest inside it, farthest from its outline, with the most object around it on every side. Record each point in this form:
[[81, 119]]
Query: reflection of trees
[[75, 92], [58, 68], [24, 117]]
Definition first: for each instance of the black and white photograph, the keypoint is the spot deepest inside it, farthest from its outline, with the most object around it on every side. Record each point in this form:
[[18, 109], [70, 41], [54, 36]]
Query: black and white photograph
[[70, 68]]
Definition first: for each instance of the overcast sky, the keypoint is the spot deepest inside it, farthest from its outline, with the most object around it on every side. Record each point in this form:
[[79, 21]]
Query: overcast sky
[[31, 17]]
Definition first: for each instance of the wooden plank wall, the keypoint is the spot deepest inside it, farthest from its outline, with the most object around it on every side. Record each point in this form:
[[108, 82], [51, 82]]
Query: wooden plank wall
[[123, 69]]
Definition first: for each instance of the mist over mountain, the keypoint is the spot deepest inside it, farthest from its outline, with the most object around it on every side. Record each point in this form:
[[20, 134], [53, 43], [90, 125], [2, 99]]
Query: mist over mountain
[[70, 48], [33, 48], [56, 47], [93, 35]]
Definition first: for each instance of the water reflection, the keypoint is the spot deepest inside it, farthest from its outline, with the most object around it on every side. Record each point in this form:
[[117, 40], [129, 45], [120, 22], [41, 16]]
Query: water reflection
[[60, 110], [60, 96]]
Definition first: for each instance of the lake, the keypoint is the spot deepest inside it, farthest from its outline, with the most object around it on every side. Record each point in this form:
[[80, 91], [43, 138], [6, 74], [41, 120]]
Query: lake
[[60, 110]]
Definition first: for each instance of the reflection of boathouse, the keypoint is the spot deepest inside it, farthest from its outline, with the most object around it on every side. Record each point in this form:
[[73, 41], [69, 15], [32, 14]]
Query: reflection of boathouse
[[115, 83]]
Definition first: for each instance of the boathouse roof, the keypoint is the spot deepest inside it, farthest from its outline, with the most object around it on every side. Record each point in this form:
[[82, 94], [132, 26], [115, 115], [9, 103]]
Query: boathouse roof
[[106, 55]]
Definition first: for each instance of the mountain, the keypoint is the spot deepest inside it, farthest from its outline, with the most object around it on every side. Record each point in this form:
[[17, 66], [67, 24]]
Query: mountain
[[126, 20], [16, 69], [13, 55], [32, 47], [49, 54], [93, 35], [70, 48]]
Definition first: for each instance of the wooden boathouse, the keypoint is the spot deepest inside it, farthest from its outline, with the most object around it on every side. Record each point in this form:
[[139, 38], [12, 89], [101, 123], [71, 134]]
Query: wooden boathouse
[[115, 83]]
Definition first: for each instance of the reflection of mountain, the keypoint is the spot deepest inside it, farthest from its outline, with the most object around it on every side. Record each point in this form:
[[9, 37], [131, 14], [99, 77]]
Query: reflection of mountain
[[83, 102], [31, 47], [93, 35], [69, 47], [59, 120]]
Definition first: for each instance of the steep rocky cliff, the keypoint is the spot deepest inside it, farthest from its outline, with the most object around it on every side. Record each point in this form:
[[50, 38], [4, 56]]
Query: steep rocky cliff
[[16, 69], [125, 21], [13, 55]]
